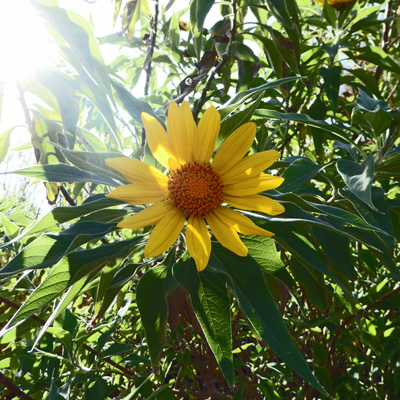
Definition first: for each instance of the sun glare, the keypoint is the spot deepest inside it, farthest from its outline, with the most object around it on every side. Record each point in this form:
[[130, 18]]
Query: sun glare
[[24, 47]]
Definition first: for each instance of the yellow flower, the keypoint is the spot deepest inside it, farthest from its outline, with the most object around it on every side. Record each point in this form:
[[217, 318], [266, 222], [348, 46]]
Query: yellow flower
[[338, 4], [197, 190]]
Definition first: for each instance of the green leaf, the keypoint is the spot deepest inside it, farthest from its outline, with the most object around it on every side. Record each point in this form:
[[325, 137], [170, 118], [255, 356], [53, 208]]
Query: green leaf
[[4, 140], [75, 38], [280, 11], [76, 266], [331, 77], [93, 162], [242, 96], [299, 172], [260, 309], [371, 113], [62, 173], [337, 250], [48, 249], [358, 178], [152, 291], [212, 307], [67, 91], [134, 106], [313, 284], [10, 228], [334, 131], [200, 10], [98, 391], [263, 250], [60, 215], [238, 119], [117, 349]]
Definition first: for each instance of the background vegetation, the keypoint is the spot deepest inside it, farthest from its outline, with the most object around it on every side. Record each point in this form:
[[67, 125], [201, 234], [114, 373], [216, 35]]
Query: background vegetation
[[85, 316]]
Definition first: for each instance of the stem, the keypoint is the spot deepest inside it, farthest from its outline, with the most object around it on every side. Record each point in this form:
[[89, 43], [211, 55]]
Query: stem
[[147, 62], [13, 388]]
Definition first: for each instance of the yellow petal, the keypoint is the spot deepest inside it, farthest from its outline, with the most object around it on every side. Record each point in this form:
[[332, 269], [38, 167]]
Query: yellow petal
[[256, 202], [137, 171], [207, 133], [157, 140], [226, 235], [198, 241], [165, 233], [181, 130], [149, 216], [139, 193], [240, 222], [250, 166], [234, 148], [253, 185]]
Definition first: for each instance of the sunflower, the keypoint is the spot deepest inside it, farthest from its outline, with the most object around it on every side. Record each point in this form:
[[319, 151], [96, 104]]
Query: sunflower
[[195, 190]]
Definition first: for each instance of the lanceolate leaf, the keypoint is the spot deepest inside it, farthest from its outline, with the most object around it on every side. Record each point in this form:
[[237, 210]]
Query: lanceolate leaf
[[134, 106], [260, 309], [60, 215], [358, 178], [76, 266], [62, 173], [212, 307], [298, 173], [93, 162], [48, 249], [152, 291]]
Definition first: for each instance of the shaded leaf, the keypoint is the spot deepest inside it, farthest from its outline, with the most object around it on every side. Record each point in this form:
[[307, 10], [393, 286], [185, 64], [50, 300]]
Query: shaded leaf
[[260, 309], [212, 307]]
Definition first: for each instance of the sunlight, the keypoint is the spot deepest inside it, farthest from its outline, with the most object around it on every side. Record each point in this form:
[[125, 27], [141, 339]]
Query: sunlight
[[23, 44]]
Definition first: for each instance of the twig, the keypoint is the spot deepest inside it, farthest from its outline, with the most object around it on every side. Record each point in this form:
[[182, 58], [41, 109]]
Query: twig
[[13, 388], [69, 199], [202, 100], [147, 62]]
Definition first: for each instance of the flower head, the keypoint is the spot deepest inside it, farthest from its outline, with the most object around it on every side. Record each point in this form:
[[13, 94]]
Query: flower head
[[197, 191]]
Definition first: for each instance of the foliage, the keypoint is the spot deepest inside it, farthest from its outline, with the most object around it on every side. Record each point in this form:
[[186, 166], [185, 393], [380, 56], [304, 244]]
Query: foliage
[[311, 311]]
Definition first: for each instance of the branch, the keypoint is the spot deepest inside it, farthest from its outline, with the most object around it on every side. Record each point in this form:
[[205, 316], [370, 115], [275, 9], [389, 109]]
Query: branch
[[147, 62], [13, 388], [202, 100]]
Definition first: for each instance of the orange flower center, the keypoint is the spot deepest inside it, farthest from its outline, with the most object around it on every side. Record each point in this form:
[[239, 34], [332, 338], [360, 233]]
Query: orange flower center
[[196, 189]]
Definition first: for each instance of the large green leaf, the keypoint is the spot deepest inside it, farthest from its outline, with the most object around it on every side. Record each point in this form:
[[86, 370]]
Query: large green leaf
[[238, 119], [299, 172], [358, 178], [263, 250], [260, 309], [62, 173], [280, 11], [331, 77], [134, 106], [93, 162], [152, 291], [198, 12], [60, 215], [335, 132], [4, 140], [212, 307], [76, 266], [313, 283], [242, 96], [50, 248]]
